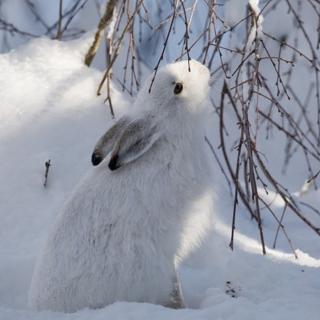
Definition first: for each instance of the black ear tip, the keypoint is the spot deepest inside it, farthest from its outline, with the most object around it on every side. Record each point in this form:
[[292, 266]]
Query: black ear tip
[[113, 163], [96, 158]]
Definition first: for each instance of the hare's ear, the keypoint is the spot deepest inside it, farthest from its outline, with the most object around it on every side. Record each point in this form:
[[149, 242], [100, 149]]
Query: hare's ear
[[106, 143], [136, 139]]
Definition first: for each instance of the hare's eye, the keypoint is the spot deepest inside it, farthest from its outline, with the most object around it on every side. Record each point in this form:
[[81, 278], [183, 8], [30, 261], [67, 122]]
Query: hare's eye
[[178, 88]]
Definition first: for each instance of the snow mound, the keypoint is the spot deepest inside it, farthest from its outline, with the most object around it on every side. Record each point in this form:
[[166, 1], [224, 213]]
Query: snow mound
[[49, 110]]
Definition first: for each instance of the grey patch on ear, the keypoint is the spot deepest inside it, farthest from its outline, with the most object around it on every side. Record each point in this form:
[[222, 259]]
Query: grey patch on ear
[[136, 139], [106, 143]]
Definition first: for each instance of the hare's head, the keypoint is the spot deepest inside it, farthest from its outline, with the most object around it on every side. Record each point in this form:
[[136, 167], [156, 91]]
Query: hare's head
[[177, 85], [179, 89]]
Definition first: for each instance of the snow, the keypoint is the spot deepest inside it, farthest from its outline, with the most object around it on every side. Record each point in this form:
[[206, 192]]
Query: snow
[[49, 110]]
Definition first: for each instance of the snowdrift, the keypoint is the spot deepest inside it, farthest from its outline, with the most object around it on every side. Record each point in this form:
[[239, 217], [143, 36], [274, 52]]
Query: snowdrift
[[49, 110]]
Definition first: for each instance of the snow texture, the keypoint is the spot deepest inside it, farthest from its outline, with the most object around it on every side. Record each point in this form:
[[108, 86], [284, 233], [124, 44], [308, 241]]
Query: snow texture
[[49, 110]]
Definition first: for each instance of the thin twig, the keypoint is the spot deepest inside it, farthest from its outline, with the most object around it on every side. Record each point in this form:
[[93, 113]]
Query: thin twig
[[47, 165]]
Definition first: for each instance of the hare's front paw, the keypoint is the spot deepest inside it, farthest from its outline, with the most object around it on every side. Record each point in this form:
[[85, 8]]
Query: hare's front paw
[[176, 298]]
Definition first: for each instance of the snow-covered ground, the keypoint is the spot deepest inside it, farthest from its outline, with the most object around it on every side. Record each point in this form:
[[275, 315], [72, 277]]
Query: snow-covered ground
[[49, 110]]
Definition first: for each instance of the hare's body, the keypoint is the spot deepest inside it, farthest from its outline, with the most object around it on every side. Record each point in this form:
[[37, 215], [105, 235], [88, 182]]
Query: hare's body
[[121, 232]]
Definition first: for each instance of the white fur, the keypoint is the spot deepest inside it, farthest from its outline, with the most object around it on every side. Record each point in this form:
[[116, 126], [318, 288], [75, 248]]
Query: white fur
[[121, 232]]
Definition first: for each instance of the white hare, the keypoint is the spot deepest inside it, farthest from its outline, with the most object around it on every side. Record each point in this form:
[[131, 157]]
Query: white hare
[[148, 201]]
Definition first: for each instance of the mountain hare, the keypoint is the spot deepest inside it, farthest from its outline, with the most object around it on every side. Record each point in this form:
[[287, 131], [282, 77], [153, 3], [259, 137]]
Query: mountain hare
[[144, 205]]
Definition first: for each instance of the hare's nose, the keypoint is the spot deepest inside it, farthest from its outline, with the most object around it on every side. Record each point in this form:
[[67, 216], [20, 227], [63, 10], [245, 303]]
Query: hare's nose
[[96, 158]]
